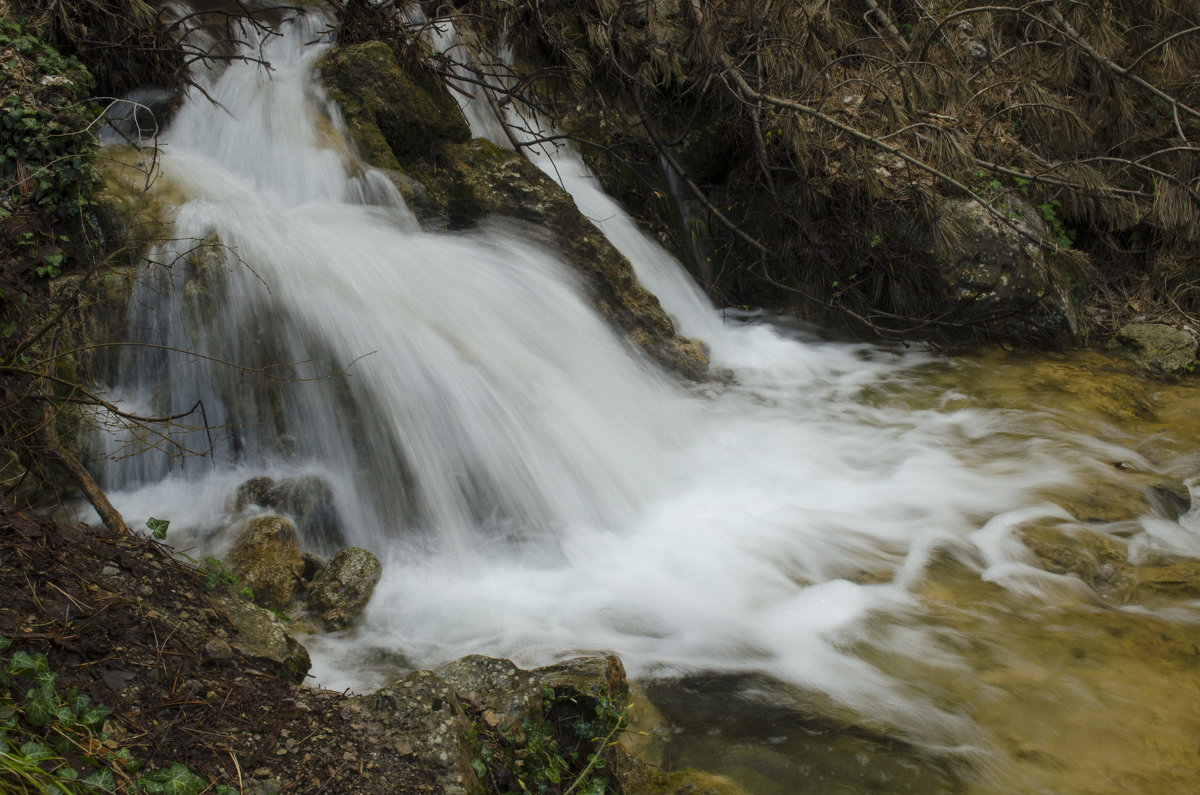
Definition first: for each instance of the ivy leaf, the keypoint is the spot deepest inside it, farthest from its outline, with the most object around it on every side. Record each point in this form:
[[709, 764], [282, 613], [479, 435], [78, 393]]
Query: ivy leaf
[[158, 527], [21, 664], [35, 752], [176, 780], [95, 716], [102, 778]]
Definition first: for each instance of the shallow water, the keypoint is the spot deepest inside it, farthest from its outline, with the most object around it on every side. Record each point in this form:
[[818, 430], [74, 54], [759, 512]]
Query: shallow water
[[834, 569]]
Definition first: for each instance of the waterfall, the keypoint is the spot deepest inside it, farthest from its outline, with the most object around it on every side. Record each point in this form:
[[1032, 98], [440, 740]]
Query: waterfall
[[533, 486]]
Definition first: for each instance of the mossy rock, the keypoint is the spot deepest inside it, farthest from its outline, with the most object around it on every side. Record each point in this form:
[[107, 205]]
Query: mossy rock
[[1157, 348], [393, 113], [1180, 579], [341, 589], [266, 556]]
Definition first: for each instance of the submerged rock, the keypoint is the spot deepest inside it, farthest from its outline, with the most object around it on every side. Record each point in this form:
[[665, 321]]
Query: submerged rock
[[342, 587], [1180, 579], [266, 556], [1158, 348], [1092, 557]]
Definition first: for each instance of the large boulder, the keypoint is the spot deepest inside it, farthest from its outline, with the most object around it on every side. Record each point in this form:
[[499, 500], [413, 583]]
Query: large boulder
[[1157, 348], [1002, 268], [484, 719], [342, 587], [266, 556]]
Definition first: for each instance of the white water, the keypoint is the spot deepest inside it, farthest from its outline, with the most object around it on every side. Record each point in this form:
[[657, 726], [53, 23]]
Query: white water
[[533, 487]]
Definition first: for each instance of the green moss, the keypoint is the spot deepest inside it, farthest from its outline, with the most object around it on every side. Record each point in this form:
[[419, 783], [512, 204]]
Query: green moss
[[393, 113]]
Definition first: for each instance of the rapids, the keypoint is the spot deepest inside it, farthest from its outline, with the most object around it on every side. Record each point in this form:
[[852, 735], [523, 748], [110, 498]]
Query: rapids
[[833, 531]]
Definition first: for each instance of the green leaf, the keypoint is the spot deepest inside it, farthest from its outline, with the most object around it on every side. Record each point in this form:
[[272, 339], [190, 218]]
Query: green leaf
[[35, 751], [21, 664], [37, 713], [103, 779], [177, 780], [479, 767], [158, 527], [95, 716]]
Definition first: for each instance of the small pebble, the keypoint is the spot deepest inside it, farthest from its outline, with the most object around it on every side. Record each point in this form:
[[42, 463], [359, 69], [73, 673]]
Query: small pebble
[[218, 649]]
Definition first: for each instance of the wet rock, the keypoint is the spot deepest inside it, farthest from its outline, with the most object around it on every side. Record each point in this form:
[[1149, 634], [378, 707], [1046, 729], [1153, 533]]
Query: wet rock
[[342, 588], [480, 179], [423, 712], [1092, 557], [994, 267], [1133, 495], [1180, 579], [140, 114], [203, 287], [1155, 347], [262, 637], [697, 782], [391, 112], [306, 499], [252, 492], [1171, 498], [595, 677], [509, 694], [266, 556], [312, 564]]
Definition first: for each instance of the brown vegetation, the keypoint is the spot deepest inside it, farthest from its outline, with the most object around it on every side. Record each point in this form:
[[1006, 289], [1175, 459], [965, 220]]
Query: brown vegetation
[[815, 138]]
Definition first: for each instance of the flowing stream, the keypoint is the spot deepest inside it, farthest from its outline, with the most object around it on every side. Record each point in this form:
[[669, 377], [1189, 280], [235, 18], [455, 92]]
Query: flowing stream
[[834, 531]]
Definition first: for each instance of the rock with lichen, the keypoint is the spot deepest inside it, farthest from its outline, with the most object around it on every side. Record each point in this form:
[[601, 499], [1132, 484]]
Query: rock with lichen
[[1156, 347], [340, 590], [266, 557]]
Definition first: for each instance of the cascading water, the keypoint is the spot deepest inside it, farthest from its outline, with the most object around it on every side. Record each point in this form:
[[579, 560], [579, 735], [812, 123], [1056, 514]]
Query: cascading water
[[533, 487]]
